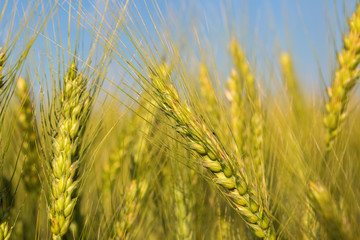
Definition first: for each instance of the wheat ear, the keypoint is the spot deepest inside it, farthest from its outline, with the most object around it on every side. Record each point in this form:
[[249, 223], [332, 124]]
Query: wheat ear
[[135, 147], [208, 94], [237, 107], [26, 122], [113, 165], [346, 76], [74, 108], [130, 208], [309, 223], [242, 195], [291, 83], [255, 136], [183, 203], [31, 166], [5, 202], [328, 212]]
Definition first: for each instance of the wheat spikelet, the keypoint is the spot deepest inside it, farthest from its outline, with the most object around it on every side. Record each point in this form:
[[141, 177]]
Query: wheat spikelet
[[5, 231], [346, 76], [242, 195], [72, 116]]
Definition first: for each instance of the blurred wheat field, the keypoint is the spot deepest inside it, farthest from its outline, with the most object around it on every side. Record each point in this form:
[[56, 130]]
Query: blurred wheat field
[[121, 120]]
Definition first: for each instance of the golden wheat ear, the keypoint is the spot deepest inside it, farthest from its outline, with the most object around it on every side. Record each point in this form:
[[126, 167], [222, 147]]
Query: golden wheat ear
[[234, 184], [346, 76]]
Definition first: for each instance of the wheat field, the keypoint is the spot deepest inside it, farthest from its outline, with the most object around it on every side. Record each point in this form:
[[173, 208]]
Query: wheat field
[[124, 119]]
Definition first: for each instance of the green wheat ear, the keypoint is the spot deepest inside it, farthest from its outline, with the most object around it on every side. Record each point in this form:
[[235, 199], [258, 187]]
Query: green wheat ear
[[243, 77], [291, 83], [233, 183], [26, 122], [72, 116], [328, 212]]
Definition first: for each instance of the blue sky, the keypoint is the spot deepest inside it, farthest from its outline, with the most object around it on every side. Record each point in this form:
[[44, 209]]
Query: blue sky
[[308, 29]]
